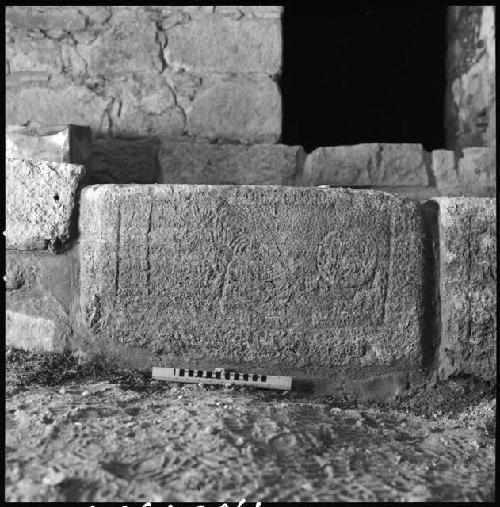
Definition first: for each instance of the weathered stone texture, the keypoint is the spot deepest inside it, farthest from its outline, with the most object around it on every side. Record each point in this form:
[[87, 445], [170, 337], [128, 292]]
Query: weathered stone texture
[[277, 275], [30, 332], [64, 143], [467, 237], [133, 71], [229, 164], [120, 161], [40, 199], [372, 164], [477, 170], [65, 104], [470, 93], [472, 174], [246, 108], [222, 44], [40, 299]]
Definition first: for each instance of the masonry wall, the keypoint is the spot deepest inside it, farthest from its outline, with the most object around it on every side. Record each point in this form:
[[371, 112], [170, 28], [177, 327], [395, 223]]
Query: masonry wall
[[189, 95], [470, 94]]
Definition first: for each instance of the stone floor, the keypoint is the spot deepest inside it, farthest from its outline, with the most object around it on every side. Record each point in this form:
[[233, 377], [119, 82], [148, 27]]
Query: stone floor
[[77, 433]]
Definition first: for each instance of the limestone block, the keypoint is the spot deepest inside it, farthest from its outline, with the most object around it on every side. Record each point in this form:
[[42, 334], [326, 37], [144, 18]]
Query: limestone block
[[472, 174], [467, 238], [39, 275], [32, 55], [129, 46], [34, 332], [370, 164], [477, 170], [445, 171], [144, 105], [246, 109], [299, 277], [61, 105], [62, 143], [69, 18], [221, 44], [123, 161], [229, 164], [40, 199]]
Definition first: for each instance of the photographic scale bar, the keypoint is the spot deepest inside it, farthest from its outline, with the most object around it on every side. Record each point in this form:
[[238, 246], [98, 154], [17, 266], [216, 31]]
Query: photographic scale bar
[[223, 377]]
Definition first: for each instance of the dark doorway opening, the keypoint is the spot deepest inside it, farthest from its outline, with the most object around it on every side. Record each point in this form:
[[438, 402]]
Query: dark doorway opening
[[362, 73]]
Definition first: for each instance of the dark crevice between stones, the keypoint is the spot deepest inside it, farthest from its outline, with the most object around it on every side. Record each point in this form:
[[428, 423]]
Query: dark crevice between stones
[[431, 298]]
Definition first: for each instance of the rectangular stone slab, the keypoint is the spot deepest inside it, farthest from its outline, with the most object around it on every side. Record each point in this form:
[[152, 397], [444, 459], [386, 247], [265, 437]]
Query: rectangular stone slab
[[368, 164], [292, 277], [467, 239], [59, 143], [40, 199]]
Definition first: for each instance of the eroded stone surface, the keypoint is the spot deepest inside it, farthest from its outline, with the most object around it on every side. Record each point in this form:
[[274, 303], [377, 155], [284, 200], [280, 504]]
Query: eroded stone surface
[[40, 199], [40, 299], [33, 332], [467, 238], [477, 170], [64, 143], [210, 164], [292, 277], [371, 164], [245, 108], [222, 44], [473, 173], [135, 71], [64, 104]]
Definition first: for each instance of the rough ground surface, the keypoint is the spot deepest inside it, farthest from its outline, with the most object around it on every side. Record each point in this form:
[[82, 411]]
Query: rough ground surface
[[88, 433]]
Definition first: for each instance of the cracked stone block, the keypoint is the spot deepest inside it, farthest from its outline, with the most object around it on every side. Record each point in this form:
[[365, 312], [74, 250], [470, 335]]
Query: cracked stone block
[[32, 55], [144, 105], [477, 170], [221, 44], [284, 276], [370, 164], [61, 143], [35, 332], [129, 46], [61, 105], [40, 198], [229, 164], [246, 109], [467, 239], [472, 174], [123, 161]]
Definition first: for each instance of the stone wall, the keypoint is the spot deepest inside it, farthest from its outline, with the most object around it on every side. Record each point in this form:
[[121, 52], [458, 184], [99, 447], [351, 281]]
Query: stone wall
[[189, 95], [338, 284], [183, 72], [470, 93]]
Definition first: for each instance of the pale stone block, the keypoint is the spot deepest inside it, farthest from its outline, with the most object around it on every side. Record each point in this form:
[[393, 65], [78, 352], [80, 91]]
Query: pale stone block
[[370, 164], [60, 143], [222, 44], [467, 271], [299, 277], [40, 198], [243, 108]]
